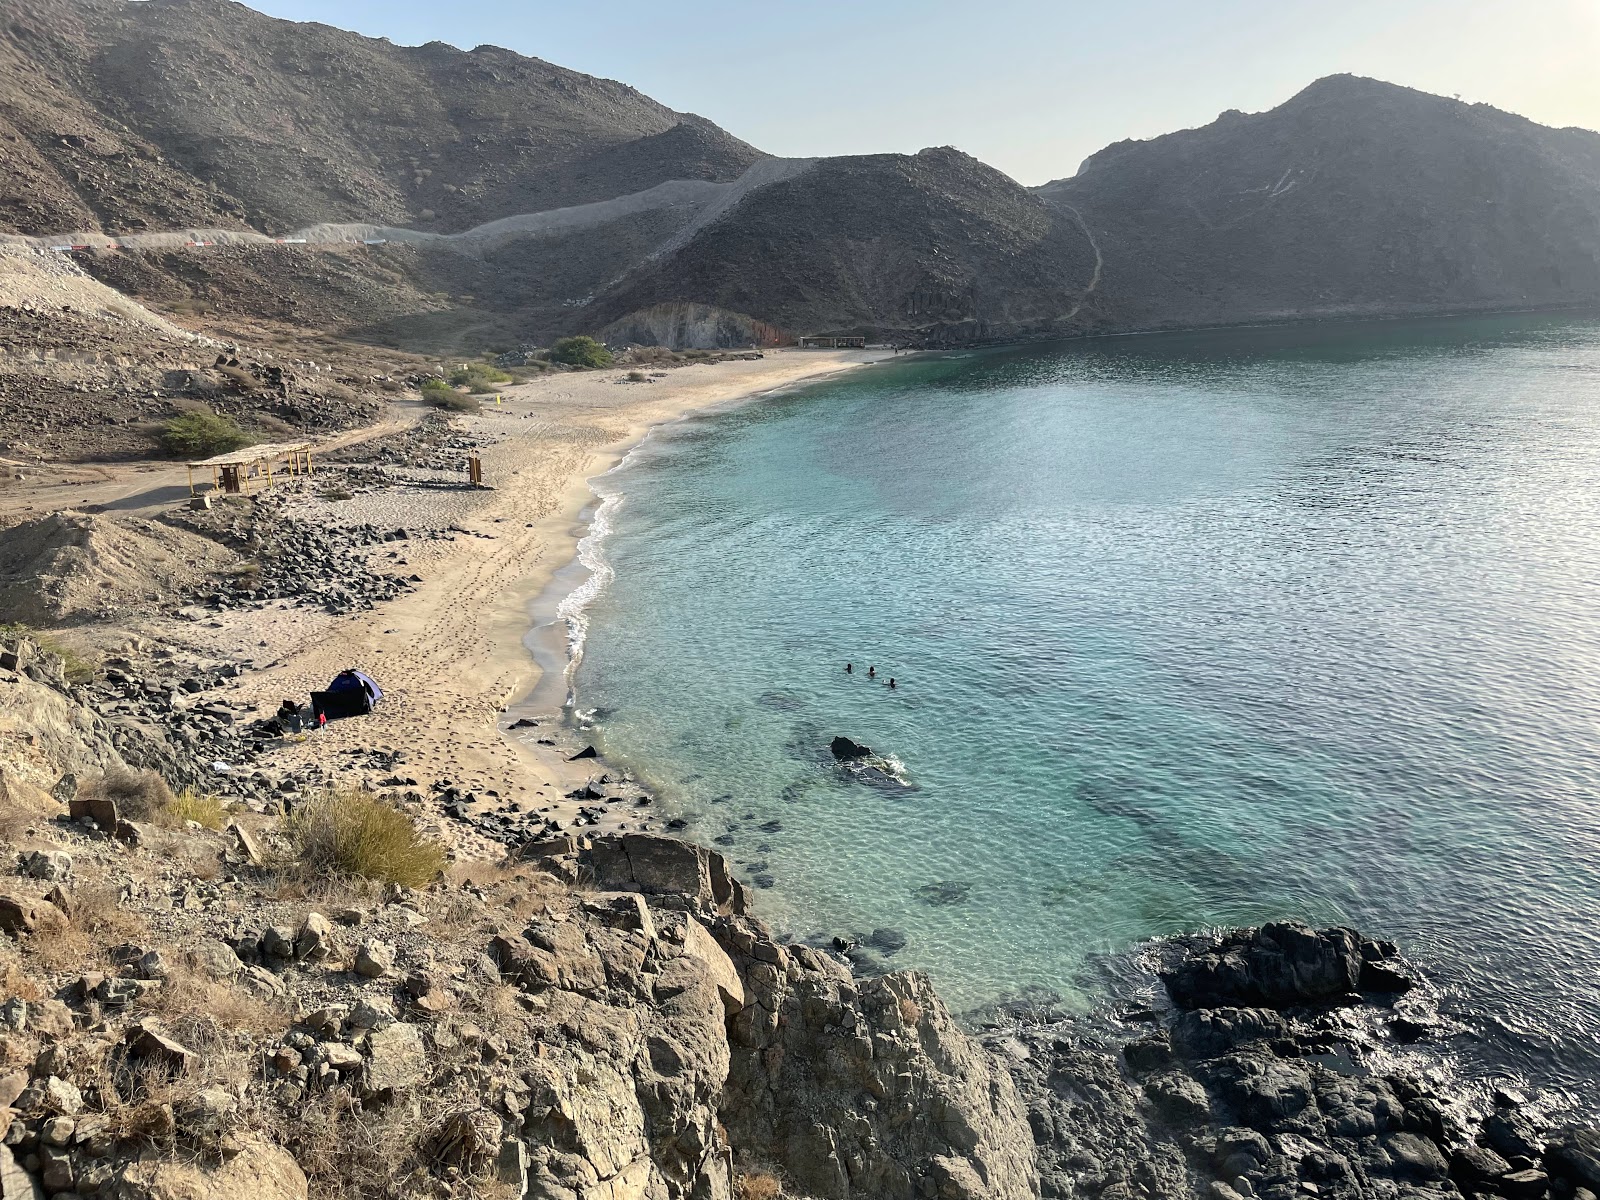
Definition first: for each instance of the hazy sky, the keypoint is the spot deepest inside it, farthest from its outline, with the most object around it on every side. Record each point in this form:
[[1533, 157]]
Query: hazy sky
[[1031, 86]]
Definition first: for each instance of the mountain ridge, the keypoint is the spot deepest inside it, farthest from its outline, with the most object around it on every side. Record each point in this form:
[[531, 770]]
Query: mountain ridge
[[1354, 197]]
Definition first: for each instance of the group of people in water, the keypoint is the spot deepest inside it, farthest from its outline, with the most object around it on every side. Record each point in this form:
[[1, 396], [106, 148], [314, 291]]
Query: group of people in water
[[872, 673]]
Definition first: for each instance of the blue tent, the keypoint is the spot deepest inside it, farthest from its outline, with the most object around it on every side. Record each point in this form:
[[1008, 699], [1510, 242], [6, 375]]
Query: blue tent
[[352, 694]]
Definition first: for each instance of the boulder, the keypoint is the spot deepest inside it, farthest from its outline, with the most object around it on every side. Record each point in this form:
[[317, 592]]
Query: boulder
[[1278, 966], [18, 915], [313, 942], [670, 871], [148, 1042], [396, 1059], [259, 1170], [698, 943], [15, 1183], [1574, 1156], [374, 959], [52, 866]]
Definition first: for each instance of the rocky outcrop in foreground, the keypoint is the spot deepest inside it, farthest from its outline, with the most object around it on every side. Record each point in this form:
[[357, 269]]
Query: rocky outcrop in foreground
[[601, 1021], [1274, 1074]]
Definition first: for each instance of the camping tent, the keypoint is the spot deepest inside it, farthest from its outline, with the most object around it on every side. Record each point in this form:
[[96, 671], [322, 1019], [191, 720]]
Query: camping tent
[[352, 694]]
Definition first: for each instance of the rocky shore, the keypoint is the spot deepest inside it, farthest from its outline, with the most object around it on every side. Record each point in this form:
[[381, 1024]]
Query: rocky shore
[[188, 1014], [576, 1006]]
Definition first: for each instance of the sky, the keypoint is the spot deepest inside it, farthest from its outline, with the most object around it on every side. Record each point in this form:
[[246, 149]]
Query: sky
[[1029, 86]]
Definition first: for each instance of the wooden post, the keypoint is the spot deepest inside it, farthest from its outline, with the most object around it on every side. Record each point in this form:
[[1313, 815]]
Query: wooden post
[[191, 479], [475, 471]]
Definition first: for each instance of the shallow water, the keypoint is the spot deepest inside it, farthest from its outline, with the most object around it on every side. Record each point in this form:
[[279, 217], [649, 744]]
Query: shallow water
[[1188, 630]]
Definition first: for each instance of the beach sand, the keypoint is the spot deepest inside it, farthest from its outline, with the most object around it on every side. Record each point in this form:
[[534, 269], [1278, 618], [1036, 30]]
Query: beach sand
[[451, 654]]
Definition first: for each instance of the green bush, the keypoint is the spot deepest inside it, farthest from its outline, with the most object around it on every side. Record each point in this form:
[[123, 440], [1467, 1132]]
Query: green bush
[[478, 377], [439, 394], [580, 352], [352, 832], [202, 434]]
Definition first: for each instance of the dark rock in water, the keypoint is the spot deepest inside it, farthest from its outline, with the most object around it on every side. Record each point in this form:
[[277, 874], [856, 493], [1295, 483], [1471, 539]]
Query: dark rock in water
[[846, 750], [886, 940], [1212, 1031], [943, 894], [586, 752], [1382, 977], [1276, 1100], [524, 723], [724, 839], [763, 880], [1406, 1031], [1574, 1158], [771, 826], [1277, 966], [676, 824]]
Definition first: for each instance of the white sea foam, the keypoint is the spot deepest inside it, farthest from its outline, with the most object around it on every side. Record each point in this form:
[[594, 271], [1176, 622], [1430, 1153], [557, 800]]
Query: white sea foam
[[573, 608]]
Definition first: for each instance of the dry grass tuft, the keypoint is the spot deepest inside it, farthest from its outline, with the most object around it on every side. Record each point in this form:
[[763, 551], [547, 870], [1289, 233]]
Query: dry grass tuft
[[910, 1010], [352, 832], [98, 921], [190, 805], [14, 981], [756, 1185], [218, 1020], [138, 795]]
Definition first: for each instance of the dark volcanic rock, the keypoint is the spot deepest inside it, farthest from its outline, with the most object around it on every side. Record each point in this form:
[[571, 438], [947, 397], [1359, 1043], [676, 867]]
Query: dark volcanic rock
[[1277, 966], [846, 750], [1276, 1101]]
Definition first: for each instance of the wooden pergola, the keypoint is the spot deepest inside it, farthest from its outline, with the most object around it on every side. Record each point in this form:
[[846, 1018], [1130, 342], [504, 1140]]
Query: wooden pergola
[[232, 472]]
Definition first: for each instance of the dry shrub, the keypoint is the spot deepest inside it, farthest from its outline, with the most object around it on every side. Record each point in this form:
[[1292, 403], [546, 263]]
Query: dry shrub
[[98, 921], [14, 981], [240, 378], [756, 1185], [349, 1155], [218, 1020], [138, 795], [353, 832], [910, 1010], [190, 805]]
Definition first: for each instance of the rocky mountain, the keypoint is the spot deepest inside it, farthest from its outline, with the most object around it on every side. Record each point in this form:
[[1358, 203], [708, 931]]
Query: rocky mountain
[[515, 201], [168, 113], [1355, 197]]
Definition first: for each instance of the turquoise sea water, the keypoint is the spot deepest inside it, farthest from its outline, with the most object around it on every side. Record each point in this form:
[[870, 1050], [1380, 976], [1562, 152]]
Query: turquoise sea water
[[1189, 630]]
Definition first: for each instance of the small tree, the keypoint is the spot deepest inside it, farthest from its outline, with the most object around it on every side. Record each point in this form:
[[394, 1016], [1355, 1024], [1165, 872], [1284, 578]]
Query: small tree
[[202, 434], [580, 351]]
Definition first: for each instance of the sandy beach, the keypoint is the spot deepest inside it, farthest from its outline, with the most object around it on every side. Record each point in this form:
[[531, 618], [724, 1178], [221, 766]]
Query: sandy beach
[[451, 653]]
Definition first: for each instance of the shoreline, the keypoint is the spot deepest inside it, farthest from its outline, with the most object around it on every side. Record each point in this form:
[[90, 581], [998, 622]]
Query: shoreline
[[453, 653], [561, 579]]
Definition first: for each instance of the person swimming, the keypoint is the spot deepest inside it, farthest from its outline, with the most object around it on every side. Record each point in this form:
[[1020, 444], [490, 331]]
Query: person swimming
[[872, 672], [891, 681], [849, 668]]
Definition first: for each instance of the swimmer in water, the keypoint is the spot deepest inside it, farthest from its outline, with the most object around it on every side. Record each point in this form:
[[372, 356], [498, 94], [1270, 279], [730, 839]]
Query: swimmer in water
[[849, 668], [872, 672], [891, 681]]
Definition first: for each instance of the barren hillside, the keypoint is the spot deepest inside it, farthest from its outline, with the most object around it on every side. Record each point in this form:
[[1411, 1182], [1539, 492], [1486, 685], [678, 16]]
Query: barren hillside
[[1353, 197]]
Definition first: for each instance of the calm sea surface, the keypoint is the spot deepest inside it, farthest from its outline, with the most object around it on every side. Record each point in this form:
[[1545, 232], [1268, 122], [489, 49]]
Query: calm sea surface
[[1188, 630]]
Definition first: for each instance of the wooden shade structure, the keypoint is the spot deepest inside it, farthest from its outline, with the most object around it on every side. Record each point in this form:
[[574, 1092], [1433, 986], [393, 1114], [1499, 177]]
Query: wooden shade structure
[[232, 472]]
